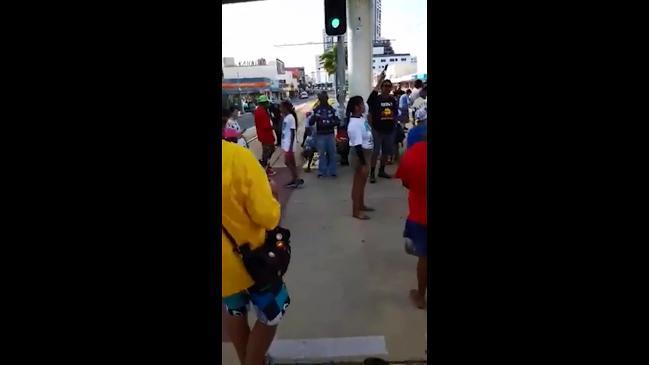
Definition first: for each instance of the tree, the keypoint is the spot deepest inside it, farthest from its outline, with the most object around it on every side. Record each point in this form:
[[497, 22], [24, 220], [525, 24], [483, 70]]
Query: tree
[[328, 60]]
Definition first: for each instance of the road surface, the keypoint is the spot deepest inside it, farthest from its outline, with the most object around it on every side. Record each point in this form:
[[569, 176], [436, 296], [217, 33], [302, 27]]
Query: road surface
[[246, 120]]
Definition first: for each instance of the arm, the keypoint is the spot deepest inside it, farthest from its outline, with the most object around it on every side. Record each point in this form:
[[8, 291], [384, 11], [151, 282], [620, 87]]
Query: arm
[[356, 140], [260, 204], [402, 170], [371, 100], [312, 118], [335, 118], [378, 84], [293, 128]]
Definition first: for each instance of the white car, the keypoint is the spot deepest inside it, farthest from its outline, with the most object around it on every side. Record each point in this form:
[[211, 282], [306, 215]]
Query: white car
[[304, 95]]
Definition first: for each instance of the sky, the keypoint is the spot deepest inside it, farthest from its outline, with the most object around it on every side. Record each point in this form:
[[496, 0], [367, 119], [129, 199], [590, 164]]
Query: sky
[[251, 30]]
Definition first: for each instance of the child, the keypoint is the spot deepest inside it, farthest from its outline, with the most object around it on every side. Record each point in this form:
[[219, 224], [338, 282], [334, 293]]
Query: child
[[412, 172], [289, 128], [308, 145]]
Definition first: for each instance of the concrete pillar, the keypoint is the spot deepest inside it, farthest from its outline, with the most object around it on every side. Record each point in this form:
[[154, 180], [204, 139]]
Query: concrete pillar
[[359, 35]]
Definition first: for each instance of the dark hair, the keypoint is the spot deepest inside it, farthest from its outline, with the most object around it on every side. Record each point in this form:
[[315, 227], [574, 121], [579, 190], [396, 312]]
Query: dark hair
[[225, 109], [351, 104], [291, 109], [419, 83], [408, 91]]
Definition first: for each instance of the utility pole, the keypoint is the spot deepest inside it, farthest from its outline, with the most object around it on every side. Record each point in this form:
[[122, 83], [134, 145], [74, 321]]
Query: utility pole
[[340, 73], [240, 99]]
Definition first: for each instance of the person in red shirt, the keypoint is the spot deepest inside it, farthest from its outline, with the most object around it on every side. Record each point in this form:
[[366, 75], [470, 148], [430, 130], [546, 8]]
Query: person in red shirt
[[265, 132], [412, 172]]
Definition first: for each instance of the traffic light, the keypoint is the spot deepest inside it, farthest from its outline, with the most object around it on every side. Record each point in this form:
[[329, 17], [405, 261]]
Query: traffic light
[[335, 17]]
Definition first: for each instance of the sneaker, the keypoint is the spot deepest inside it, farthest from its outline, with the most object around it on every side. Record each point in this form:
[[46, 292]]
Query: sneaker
[[320, 175], [372, 179], [270, 172], [292, 184]]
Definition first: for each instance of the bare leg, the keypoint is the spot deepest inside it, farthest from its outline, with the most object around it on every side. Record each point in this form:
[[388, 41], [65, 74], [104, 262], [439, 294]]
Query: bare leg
[[359, 180], [418, 296], [259, 342], [361, 194], [422, 276], [239, 332], [290, 163], [355, 200]]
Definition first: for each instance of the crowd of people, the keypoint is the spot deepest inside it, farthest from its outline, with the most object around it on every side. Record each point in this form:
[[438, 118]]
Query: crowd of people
[[373, 131]]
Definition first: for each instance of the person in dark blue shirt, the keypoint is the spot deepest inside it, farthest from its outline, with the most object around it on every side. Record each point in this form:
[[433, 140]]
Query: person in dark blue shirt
[[325, 119], [417, 134]]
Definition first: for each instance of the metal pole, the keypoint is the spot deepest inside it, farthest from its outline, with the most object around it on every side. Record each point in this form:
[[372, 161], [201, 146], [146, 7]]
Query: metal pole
[[239, 86], [340, 73]]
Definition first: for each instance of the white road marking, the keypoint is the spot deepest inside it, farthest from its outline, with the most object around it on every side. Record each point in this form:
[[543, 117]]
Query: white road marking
[[328, 348]]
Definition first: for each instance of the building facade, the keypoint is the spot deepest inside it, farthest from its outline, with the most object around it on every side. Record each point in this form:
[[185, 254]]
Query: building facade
[[376, 18], [244, 81]]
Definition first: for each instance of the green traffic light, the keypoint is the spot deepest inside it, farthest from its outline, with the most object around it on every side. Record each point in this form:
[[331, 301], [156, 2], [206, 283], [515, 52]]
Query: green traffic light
[[335, 22]]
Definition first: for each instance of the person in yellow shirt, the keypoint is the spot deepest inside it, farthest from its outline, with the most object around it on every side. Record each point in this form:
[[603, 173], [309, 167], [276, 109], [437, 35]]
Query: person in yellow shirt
[[249, 209]]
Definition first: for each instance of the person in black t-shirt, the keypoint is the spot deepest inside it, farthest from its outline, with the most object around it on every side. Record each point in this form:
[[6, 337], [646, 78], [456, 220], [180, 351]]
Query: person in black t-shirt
[[384, 111], [276, 118]]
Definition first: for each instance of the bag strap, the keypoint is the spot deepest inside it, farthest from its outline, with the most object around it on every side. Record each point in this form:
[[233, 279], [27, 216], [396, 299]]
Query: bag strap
[[233, 242]]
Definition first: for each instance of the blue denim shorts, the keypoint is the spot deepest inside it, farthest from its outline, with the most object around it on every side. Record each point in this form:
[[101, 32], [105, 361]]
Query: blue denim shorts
[[418, 234], [269, 304]]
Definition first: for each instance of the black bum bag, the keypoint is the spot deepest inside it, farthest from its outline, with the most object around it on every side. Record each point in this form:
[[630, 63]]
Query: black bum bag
[[268, 263]]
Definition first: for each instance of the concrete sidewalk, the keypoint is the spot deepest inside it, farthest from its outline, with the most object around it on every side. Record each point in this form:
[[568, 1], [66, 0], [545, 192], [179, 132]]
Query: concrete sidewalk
[[348, 279]]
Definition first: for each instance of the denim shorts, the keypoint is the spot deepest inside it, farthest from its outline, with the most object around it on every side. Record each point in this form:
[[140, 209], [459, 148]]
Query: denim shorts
[[383, 142], [418, 234], [269, 304]]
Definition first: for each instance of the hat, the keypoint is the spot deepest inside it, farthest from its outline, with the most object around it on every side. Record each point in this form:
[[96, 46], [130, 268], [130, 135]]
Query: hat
[[262, 99]]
